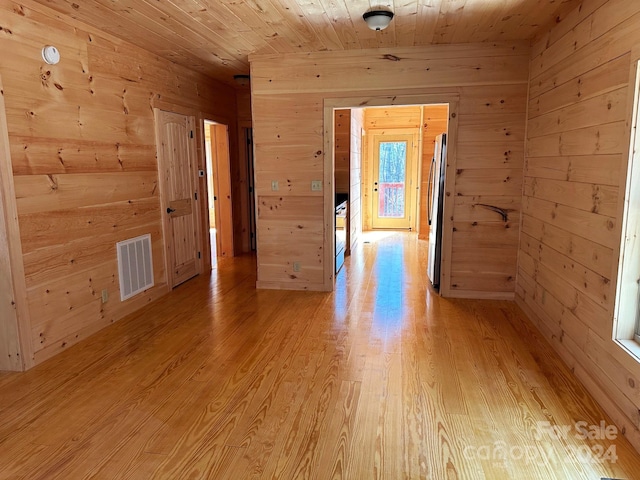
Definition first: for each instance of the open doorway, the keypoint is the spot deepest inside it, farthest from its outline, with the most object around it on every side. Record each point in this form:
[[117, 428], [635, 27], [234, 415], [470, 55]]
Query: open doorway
[[400, 143], [388, 184], [219, 207], [249, 203]]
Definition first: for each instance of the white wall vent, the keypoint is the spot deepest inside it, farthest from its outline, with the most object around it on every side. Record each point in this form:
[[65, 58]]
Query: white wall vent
[[135, 266]]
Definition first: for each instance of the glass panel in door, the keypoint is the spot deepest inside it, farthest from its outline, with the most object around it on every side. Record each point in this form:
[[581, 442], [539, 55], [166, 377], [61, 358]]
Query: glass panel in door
[[392, 171], [392, 157]]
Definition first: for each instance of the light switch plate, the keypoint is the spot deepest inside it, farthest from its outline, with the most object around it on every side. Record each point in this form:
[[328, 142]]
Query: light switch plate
[[274, 185], [316, 185]]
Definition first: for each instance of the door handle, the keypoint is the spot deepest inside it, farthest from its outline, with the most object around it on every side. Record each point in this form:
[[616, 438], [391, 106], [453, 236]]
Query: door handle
[[170, 210]]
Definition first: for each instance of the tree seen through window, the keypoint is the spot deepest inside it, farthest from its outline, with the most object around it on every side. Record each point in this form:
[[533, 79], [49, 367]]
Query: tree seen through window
[[392, 175]]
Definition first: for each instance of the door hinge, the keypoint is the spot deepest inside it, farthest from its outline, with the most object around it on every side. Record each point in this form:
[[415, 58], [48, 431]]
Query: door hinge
[[195, 195], [199, 255], [191, 134]]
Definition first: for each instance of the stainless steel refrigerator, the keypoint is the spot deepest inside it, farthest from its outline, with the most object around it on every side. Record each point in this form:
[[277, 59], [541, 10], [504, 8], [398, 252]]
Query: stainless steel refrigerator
[[435, 206]]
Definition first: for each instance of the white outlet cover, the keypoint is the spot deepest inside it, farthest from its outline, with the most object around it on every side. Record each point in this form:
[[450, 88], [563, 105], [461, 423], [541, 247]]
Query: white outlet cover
[[316, 185]]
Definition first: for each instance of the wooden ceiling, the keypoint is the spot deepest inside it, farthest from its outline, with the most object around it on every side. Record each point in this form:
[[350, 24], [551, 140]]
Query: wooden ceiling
[[216, 36]]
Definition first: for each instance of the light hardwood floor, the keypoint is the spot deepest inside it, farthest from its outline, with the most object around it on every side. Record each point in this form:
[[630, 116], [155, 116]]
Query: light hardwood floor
[[380, 380]]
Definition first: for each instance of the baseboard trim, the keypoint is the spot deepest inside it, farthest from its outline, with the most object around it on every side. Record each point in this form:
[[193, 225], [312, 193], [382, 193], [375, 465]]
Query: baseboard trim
[[478, 295]]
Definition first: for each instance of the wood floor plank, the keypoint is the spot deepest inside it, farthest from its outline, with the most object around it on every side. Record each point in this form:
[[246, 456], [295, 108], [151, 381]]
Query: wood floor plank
[[381, 379], [338, 440]]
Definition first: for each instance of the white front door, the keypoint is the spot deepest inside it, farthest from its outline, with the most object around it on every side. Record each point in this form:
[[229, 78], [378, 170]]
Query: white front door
[[393, 181]]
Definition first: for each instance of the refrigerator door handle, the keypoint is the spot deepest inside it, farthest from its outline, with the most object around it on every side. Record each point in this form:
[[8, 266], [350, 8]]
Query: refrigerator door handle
[[429, 189]]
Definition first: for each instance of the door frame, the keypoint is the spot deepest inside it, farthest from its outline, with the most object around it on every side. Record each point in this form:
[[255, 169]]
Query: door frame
[[203, 200], [413, 163], [197, 214], [331, 104], [16, 348], [248, 205]]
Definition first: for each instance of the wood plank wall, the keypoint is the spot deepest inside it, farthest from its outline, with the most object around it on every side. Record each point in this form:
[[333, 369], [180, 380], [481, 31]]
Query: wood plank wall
[[342, 166], [377, 121], [435, 120], [576, 156], [244, 105], [289, 92], [355, 200], [83, 152]]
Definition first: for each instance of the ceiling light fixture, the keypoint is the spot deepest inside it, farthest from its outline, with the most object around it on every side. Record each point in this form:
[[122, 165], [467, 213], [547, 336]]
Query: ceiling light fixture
[[242, 80], [378, 19]]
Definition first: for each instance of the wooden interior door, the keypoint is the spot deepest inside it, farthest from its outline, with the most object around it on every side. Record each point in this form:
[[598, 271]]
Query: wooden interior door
[[222, 189], [393, 181], [177, 175]]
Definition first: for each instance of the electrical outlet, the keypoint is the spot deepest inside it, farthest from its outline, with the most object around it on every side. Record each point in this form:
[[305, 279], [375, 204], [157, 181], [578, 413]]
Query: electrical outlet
[[105, 295], [316, 185], [296, 266], [275, 186]]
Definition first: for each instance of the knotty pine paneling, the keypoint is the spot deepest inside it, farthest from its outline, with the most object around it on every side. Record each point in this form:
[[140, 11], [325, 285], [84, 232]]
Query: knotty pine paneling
[[489, 159], [342, 135], [290, 229], [577, 148], [395, 117], [490, 81], [244, 105], [83, 155], [216, 37]]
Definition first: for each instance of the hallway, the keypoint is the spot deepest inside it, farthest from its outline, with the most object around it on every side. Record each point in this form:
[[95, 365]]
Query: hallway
[[381, 379]]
